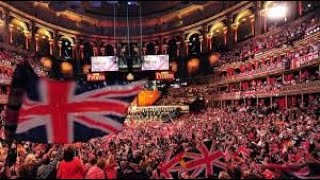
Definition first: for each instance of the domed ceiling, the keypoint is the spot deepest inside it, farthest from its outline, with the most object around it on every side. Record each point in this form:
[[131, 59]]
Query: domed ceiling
[[105, 8]]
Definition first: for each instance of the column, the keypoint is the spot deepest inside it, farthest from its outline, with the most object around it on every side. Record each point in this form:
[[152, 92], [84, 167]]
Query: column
[[95, 51], [257, 101], [302, 99], [103, 51], [51, 46], [10, 33], [37, 42], [6, 21], [114, 50], [74, 51], [300, 8], [235, 31], [271, 101], [186, 43], [209, 42], [286, 102], [144, 50], [201, 41], [165, 49], [81, 52], [55, 50], [259, 18], [27, 35], [252, 24], [157, 49], [178, 49], [225, 35], [60, 46]]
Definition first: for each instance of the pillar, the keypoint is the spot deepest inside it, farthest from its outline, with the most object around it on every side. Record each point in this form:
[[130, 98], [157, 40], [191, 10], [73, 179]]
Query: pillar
[[144, 50], [81, 52], [115, 51], [286, 100], [60, 46], [10, 33], [178, 47], [300, 8], [74, 51], [271, 101], [157, 49], [252, 20], [258, 23], [164, 49], [186, 43], [6, 21], [103, 51], [209, 42], [27, 40], [95, 51], [201, 43], [302, 99], [37, 38], [235, 32], [225, 35], [51, 46]]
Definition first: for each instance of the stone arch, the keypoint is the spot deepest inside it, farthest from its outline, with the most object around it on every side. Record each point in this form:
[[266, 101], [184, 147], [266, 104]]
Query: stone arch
[[192, 33]]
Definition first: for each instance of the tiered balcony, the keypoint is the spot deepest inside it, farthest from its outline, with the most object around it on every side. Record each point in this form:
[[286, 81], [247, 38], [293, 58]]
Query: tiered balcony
[[303, 88]]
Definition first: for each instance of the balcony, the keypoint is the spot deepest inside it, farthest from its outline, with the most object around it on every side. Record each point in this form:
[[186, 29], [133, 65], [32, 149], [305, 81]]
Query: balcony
[[306, 88]]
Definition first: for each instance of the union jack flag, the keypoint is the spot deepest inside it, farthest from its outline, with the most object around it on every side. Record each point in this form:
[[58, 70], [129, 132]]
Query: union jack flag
[[204, 161], [57, 112]]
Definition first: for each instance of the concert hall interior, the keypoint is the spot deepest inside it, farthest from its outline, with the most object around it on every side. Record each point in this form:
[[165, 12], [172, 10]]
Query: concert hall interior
[[160, 89]]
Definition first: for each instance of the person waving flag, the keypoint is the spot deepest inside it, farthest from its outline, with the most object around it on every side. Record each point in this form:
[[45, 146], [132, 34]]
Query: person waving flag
[[44, 110]]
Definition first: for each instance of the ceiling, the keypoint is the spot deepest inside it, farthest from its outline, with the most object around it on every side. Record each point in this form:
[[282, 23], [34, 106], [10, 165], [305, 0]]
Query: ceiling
[[105, 8]]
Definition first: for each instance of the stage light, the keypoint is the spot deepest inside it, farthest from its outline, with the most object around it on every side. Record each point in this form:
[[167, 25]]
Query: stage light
[[130, 77], [277, 12]]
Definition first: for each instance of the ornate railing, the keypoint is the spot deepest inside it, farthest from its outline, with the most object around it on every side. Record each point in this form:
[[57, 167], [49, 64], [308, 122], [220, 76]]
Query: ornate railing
[[308, 87]]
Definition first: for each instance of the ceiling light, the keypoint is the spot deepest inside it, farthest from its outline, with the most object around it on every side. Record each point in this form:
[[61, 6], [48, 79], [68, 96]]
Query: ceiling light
[[277, 12], [309, 5]]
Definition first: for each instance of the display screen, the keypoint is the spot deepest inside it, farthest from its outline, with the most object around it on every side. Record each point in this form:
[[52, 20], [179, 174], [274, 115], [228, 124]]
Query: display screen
[[104, 63], [155, 63]]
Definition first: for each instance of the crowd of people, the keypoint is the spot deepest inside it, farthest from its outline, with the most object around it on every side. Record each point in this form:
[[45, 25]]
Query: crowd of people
[[285, 37], [270, 136]]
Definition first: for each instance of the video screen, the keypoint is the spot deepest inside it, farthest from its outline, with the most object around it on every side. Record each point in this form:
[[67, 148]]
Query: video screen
[[104, 63], [155, 63]]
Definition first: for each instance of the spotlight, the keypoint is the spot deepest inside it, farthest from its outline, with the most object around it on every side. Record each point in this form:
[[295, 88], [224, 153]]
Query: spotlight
[[309, 5], [277, 12]]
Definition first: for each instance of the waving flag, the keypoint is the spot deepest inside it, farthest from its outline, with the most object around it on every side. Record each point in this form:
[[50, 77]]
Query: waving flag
[[171, 166], [204, 161], [57, 112]]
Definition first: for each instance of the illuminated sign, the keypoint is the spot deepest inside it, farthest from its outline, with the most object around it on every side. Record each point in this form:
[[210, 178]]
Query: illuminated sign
[[96, 77], [164, 75]]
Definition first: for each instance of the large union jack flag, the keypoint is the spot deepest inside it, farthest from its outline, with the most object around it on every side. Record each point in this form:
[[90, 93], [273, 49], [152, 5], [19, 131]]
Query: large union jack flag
[[205, 161], [57, 112]]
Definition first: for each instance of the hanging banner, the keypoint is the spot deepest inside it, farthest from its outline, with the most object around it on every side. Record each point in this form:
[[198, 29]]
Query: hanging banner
[[96, 77], [165, 76]]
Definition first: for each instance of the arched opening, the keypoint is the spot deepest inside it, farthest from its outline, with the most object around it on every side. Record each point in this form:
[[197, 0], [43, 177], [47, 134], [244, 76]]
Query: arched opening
[[194, 44], [66, 48], [109, 50], [18, 33], [172, 49], [150, 49], [43, 42], [87, 51], [217, 37], [271, 18], [243, 22]]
